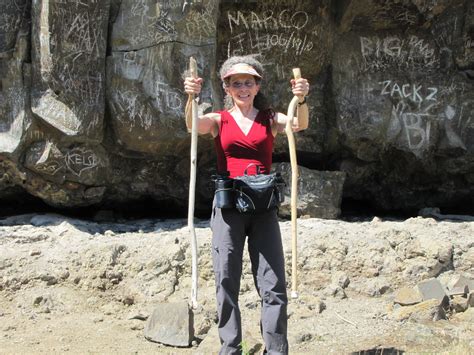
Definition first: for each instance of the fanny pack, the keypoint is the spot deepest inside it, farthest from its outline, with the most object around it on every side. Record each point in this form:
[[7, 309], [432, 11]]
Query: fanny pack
[[250, 193]]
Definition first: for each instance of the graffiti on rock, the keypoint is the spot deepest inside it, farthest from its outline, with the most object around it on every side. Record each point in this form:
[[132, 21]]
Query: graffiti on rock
[[285, 30], [416, 124], [9, 22], [156, 22], [83, 36], [48, 159], [414, 92], [392, 52], [134, 113], [201, 23], [167, 98], [57, 113], [87, 87], [80, 159]]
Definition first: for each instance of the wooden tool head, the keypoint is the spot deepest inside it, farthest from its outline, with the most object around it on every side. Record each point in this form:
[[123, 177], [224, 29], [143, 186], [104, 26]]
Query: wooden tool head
[[193, 67], [297, 73]]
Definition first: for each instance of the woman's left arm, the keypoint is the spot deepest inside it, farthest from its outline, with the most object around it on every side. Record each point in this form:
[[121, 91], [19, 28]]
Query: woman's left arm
[[300, 88]]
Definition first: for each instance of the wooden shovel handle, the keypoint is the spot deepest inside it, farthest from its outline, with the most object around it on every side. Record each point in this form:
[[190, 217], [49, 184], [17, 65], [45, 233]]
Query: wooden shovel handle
[[294, 188], [193, 67], [297, 73], [192, 190]]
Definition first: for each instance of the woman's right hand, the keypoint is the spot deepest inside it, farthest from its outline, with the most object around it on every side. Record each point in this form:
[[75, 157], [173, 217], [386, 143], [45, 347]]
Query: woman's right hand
[[192, 86]]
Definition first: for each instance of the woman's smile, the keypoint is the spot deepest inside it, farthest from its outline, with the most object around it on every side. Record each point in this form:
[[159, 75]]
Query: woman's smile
[[242, 87]]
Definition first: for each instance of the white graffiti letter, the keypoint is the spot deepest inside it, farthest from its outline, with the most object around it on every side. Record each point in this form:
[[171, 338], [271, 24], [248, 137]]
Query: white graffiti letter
[[405, 94], [396, 88], [366, 46], [392, 46], [385, 90], [416, 96], [236, 20], [432, 95]]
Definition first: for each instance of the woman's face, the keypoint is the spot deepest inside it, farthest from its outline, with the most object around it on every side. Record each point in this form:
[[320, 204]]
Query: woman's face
[[242, 88]]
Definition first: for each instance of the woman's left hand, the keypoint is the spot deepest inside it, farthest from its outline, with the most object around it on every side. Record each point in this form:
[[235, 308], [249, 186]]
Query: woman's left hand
[[300, 87]]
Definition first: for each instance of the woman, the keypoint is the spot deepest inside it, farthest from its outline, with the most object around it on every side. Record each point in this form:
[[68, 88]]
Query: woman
[[244, 135]]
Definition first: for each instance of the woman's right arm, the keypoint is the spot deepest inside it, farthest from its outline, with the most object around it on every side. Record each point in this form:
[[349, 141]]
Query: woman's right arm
[[207, 123]]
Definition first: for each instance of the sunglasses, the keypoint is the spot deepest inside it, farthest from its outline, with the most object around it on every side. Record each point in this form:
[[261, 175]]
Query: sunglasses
[[239, 84]]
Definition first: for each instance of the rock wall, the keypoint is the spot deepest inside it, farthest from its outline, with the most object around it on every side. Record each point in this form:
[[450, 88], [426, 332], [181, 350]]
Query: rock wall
[[92, 106]]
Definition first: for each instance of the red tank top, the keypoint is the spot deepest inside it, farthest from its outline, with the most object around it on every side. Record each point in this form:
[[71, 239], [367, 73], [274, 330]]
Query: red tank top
[[236, 151]]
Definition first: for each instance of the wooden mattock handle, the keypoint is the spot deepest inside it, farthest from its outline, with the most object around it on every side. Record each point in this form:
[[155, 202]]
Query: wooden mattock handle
[[192, 190], [193, 67], [297, 73]]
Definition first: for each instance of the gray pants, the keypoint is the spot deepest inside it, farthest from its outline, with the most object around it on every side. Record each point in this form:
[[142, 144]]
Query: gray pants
[[230, 229]]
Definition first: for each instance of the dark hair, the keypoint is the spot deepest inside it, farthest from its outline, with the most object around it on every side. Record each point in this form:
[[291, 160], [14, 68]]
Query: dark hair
[[260, 102]]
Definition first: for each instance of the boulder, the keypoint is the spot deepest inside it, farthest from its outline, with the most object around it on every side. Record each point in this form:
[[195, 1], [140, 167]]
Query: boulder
[[335, 291], [430, 310], [341, 279], [461, 282], [407, 296], [92, 103], [171, 324], [15, 74], [377, 286], [459, 291], [69, 42], [459, 304], [432, 289], [319, 192], [387, 87]]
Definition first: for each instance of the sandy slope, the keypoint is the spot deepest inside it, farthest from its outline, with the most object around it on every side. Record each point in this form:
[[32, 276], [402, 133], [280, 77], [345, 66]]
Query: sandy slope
[[85, 287]]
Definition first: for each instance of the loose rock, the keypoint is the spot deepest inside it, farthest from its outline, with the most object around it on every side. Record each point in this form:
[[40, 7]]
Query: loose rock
[[432, 289], [171, 324], [459, 304], [430, 310], [408, 296]]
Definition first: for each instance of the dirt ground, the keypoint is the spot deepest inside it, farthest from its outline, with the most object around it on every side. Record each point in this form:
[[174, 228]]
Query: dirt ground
[[75, 286]]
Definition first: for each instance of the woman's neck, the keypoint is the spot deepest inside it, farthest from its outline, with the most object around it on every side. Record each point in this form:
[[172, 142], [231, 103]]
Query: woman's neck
[[246, 111]]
